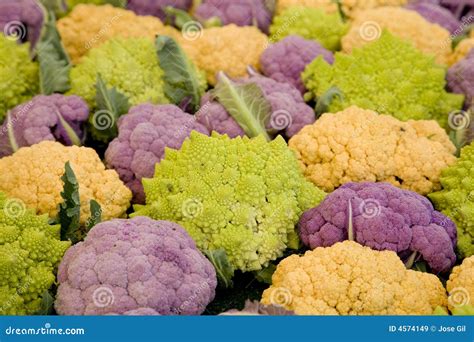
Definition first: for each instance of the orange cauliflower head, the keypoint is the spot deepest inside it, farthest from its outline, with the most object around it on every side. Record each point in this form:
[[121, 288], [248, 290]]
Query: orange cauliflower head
[[357, 145], [429, 38], [33, 175], [88, 26], [460, 285], [349, 279], [461, 50]]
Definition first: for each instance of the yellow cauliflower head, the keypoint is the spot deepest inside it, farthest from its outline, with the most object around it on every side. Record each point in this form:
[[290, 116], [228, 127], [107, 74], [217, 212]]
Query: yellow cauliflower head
[[460, 285], [229, 48], [429, 38], [89, 26], [349, 279], [330, 6], [357, 145], [461, 50], [33, 175]]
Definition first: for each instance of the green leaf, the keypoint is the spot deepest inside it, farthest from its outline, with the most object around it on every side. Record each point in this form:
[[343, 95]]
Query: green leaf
[[324, 101], [54, 63], [70, 209], [96, 215], [224, 270], [350, 225], [265, 275], [411, 260], [110, 105], [270, 5], [56, 6], [420, 266], [245, 103], [116, 3], [47, 304], [11, 133], [70, 132], [341, 12], [177, 17], [183, 85]]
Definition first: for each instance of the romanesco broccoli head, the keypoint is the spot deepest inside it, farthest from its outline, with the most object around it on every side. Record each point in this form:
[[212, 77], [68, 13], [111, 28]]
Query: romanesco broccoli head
[[309, 23], [389, 76], [456, 200], [19, 74], [30, 250], [349, 279], [241, 195], [130, 65]]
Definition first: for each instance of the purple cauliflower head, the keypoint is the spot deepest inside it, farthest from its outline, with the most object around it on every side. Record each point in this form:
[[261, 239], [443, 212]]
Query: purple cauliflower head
[[383, 217], [134, 266], [22, 20], [285, 60], [238, 12], [289, 111], [436, 14], [143, 135], [54, 117], [460, 78], [156, 7]]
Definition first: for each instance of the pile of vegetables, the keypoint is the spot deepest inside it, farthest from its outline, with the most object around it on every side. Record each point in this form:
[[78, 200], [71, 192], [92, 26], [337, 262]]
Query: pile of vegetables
[[290, 157]]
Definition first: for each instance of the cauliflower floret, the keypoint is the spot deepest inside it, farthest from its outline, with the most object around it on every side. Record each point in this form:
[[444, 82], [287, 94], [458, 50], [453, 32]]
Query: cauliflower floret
[[408, 25], [30, 250], [360, 145], [349, 279], [135, 267], [33, 174], [462, 50], [241, 195]]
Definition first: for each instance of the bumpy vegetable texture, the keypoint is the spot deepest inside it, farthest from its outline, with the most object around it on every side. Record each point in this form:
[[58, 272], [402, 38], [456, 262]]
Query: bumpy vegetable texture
[[217, 49], [456, 200], [461, 50], [389, 76], [144, 133], [33, 175], [55, 117], [310, 23], [285, 60], [240, 12], [130, 65], [431, 39], [360, 145], [287, 112], [460, 79], [22, 20], [30, 250], [241, 195], [19, 75], [349, 279], [156, 7], [382, 217], [460, 287], [330, 6], [436, 14], [137, 264], [89, 26]]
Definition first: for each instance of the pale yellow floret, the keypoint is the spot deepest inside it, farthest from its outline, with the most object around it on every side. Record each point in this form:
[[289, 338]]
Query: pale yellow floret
[[89, 26], [357, 145], [33, 175], [461, 50], [460, 285], [368, 25], [349, 279], [229, 48]]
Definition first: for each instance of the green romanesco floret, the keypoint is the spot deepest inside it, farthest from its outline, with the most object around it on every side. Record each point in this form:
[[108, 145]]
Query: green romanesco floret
[[456, 200], [30, 250], [19, 75], [310, 23], [128, 64], [389, 76], [241, 195]]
